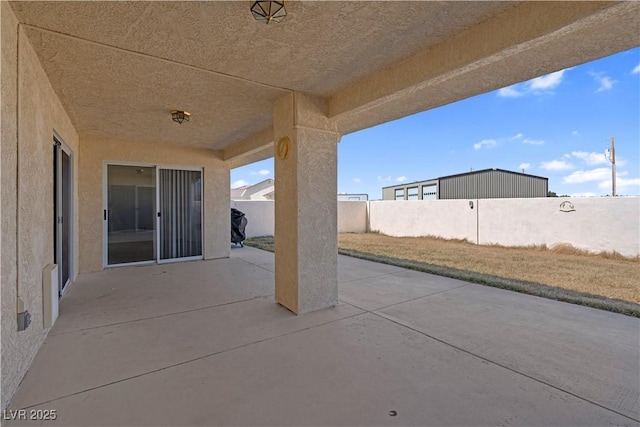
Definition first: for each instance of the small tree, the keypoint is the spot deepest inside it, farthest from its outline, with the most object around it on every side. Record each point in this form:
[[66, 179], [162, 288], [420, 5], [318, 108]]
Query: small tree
[[551, 194]]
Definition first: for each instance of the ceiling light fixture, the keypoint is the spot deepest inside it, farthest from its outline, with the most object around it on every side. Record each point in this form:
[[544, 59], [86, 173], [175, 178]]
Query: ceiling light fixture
[[180, 116], [267, 11]]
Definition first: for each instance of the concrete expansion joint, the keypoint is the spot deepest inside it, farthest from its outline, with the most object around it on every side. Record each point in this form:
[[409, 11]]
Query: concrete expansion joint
[[257, 265], [420, 297], [402, 324], [186, 362], [157, 317]]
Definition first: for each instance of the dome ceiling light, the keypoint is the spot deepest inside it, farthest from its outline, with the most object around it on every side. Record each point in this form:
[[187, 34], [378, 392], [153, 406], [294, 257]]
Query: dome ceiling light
[[267, 11], [180, 116]]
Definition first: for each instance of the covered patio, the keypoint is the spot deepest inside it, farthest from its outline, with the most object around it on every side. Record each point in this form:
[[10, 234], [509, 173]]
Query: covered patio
[[92, 159], [204, 343]]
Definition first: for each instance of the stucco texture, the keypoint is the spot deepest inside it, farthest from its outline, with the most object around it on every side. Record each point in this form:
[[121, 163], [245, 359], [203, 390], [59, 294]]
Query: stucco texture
[[352, 216], [451, 219], [595, 224], [96, 151], [31, 114], [306, 205]]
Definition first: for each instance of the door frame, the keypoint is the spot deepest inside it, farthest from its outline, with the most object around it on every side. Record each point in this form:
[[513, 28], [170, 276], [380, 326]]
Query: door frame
[[185, 168], [105, 208], [61, 147], [105, 211]]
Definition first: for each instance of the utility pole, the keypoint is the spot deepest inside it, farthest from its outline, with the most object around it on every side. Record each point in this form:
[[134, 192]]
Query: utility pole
[[610, 154]]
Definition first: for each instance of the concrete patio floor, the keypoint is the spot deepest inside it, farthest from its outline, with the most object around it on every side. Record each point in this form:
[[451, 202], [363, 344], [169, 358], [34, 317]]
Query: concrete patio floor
[[204, 343]]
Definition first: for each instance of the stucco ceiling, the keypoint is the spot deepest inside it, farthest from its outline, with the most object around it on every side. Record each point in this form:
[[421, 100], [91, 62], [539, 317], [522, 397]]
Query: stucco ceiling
[[119, 68]]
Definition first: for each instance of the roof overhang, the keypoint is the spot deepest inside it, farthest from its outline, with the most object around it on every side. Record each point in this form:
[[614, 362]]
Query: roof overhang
[[119, 68]]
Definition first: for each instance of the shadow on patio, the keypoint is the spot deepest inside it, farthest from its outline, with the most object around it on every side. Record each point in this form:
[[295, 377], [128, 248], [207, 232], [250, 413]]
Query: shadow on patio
[[204, 343]]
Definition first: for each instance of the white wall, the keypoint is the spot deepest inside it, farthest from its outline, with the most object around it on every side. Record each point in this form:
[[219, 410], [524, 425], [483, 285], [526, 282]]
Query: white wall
[[260, 216], [352, 216], [451, 219], [597, 224]]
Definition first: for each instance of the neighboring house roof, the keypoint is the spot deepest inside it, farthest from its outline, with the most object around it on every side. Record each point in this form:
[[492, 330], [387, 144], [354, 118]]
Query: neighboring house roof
[[467, 173], [263, 190], [238, 192]]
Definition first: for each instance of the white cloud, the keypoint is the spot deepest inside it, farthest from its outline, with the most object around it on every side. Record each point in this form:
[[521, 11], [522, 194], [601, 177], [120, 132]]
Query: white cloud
[[401, 178], [547, 82], [532, 141], [575, 133], [604, 82], [538, 86], [357, 180], [578, 177], [622, 184], [485, 143], [556, 165], [510, 92], [636, 70], [239, 183], [591, 159], [384, 178], [524, 166], [517, 136], [261, 172]]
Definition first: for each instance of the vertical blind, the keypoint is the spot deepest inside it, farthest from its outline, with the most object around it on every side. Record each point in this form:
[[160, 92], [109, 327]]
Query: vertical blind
[[180, 213]]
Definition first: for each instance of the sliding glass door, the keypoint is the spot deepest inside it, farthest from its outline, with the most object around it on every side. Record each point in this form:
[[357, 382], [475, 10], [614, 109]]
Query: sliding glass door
[[180, 214], [62, 212], [130, 214], [152, 214]]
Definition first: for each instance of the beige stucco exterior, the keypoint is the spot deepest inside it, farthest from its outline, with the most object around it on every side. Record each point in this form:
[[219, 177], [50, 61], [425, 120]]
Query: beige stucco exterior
[[104, 76], [96, 152], [31, 115], [305, 205]]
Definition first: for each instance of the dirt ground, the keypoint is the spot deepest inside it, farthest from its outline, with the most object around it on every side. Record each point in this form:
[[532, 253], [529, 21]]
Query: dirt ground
[[607, 275]]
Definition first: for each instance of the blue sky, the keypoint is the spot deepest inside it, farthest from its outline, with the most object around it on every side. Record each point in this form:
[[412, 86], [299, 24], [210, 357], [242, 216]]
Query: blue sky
[[557, 126]]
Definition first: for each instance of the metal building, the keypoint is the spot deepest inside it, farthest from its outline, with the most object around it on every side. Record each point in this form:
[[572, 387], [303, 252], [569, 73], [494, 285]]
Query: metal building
[[482, 184]]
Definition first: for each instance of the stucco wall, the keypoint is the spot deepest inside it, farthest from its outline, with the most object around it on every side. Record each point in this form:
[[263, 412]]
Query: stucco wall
[[451, 219], [259, 214], [31, 114], [352, 216], [597, 224], [96, 151]]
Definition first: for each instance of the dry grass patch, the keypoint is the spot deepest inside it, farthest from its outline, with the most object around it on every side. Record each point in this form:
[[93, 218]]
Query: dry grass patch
[[608, 275], [606, 281]]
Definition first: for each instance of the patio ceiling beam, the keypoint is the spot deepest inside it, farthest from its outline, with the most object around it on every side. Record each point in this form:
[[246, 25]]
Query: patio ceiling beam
[[254, 148], [526, 41]]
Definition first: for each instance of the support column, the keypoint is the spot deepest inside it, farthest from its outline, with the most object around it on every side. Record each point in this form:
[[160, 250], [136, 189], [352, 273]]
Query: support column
[[306, 240]]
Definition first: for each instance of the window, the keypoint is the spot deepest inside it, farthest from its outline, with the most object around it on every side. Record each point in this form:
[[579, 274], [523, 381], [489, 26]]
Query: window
[[399, 193], [429, 192], [412, 193]]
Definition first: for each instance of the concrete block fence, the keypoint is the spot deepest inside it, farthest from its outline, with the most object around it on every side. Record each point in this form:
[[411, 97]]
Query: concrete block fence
[[590, 223]]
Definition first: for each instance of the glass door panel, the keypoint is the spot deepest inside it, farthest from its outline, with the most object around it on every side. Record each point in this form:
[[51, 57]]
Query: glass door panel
[[180, 227], [65, 221], [62, 205], [131, 214]]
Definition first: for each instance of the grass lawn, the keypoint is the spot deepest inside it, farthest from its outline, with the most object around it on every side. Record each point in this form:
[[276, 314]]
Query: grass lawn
[[606, 281]]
